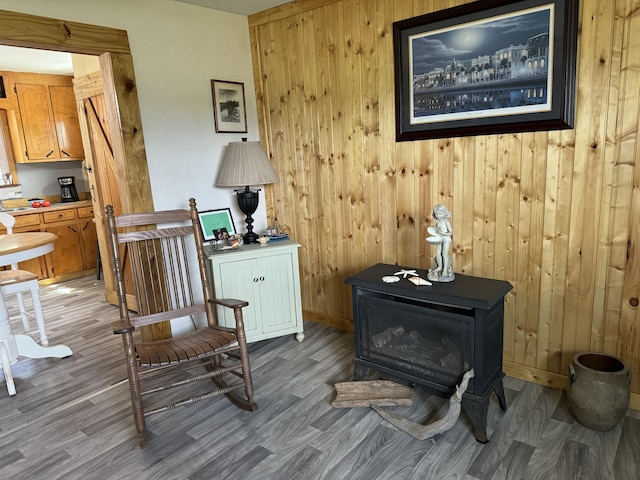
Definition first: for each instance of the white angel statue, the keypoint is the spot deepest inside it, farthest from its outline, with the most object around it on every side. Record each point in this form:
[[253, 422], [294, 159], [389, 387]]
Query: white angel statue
[[440, 236]]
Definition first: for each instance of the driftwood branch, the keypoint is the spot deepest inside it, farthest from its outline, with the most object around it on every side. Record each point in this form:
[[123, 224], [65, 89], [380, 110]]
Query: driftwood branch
[[375, 392], [422, 432]]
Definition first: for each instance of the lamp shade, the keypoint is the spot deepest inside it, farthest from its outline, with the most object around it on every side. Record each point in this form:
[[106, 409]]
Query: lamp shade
[[243, 164]]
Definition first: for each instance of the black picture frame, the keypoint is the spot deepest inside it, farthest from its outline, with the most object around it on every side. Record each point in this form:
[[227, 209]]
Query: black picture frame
[[229, 107], [216, 224], [452, 80]]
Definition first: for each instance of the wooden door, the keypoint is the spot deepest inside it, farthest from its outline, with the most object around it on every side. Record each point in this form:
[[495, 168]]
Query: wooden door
[[37, 121], [65, 117], [99, 165], [103, 179]]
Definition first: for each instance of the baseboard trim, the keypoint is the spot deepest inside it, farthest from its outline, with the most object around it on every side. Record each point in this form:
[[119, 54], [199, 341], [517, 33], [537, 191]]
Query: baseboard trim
[[336, 322]]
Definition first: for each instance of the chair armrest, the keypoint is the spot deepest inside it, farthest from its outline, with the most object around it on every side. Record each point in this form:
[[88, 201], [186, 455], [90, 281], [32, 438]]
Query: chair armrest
[[237, 306], [121, 326], [229, 302]]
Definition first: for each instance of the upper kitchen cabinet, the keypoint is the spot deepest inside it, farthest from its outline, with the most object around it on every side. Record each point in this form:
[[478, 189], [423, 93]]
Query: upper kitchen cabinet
[[48, 118]]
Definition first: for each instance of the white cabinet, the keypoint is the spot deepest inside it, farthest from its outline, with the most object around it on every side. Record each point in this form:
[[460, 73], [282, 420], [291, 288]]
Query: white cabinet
[[268, 278]]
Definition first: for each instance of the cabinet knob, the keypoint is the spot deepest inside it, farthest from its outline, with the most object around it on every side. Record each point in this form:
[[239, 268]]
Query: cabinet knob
[[255, 280], [262, 279]]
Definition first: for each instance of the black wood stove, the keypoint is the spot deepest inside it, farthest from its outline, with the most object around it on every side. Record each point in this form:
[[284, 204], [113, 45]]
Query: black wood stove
[[431, 335]]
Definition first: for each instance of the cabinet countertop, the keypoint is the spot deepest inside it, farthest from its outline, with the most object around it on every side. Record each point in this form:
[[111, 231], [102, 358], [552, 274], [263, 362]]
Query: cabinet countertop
[[53, 207]]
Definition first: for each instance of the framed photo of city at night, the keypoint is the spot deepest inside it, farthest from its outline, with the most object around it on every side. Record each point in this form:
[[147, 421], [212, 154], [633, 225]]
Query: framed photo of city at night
[[491, 66]]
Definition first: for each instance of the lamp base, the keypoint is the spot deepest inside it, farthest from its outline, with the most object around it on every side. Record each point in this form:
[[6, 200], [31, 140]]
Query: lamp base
[[250, 237], [248, 202]]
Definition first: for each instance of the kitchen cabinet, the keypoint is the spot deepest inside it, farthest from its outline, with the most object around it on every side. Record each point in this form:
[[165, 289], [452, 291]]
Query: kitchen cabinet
[[88, 237], [268, 278], [66, 257], [49, 122], [38, 265], [75, 250], [65, 119]]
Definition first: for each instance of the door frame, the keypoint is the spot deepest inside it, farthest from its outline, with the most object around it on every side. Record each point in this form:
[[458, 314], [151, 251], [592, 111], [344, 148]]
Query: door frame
[[111, 45]]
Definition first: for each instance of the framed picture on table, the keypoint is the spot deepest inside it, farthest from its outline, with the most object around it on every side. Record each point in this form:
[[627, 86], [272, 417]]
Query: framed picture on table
[[217, 224]]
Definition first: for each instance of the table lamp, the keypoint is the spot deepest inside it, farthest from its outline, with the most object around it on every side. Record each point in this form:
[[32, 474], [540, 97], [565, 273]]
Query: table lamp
[[245, 164]]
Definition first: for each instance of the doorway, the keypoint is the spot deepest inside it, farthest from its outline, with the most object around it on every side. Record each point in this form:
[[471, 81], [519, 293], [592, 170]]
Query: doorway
[[122, 111]]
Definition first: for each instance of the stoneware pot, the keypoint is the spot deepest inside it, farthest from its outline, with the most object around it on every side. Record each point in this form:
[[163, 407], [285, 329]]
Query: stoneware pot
[[598, 390]]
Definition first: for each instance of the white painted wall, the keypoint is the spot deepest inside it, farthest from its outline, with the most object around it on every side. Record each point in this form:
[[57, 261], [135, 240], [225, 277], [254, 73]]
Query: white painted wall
[[177, 49]]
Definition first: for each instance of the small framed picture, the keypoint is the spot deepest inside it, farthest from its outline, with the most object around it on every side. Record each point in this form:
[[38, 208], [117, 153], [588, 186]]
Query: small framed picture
[[217, 224], [229, 108]]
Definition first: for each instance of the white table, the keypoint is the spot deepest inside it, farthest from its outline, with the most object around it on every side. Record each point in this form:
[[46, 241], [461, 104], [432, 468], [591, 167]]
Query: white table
[[16, 248]]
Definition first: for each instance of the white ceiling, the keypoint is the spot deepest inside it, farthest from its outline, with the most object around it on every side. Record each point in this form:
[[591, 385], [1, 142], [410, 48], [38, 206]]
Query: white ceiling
[[15, 59], [41, 61], [240, 7]]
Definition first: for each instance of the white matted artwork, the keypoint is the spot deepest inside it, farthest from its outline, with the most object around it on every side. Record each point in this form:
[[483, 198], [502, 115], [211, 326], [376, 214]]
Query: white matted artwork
[[229, 107]]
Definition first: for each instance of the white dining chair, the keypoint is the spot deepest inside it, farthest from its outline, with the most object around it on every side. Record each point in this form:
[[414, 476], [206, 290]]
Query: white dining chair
[[16, 281]]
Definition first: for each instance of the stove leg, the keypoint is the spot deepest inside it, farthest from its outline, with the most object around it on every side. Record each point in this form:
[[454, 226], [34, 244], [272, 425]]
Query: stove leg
[[478, 407], [500, 394], [477, 410]]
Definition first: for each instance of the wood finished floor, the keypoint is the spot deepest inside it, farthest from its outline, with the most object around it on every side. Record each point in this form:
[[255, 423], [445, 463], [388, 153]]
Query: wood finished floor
[[71, 419]]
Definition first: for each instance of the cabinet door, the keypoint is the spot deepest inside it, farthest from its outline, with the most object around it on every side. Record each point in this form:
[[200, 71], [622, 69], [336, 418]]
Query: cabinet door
[[66, 255], [30, 223], [89, 243], [67, 125], [37, 122], [36, 265], [239, 279], [277, 293]]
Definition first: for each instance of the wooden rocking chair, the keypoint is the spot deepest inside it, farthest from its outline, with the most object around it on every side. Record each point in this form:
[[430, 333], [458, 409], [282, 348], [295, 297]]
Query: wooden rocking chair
[[159, 260]]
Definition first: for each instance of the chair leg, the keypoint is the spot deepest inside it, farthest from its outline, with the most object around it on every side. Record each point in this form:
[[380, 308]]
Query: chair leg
[[244, 358], [23, 311], [6, 366], [244, 403], [134, 388], [246, 375], [37, 308], [98, 263]]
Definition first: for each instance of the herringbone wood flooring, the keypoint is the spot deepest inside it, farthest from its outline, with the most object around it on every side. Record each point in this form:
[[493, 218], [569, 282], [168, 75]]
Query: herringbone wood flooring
[[71, 419]]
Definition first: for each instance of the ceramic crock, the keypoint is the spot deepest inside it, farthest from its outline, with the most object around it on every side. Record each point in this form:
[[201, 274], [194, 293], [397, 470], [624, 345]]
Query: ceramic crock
[[599, 390]]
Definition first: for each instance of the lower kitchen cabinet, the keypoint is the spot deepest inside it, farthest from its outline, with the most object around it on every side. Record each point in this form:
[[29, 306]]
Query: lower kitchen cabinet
[[88, 237], [268, 278], [75, 250], [66, 256], [38, 265]]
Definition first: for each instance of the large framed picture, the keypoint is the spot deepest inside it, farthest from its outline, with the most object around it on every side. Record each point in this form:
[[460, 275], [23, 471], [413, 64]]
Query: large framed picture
[[229, 108], [216, 224], [491, 66]]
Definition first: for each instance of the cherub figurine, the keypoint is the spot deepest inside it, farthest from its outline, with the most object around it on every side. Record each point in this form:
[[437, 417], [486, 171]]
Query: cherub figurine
[[440, 236]]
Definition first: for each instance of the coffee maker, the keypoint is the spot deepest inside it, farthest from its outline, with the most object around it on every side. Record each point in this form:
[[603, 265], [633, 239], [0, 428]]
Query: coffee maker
[[68, 192]]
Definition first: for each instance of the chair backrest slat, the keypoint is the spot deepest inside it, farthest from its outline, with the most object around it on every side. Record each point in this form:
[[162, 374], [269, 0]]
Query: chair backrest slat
[[159, 258], [8, 221], [148, 218], [151, 234]]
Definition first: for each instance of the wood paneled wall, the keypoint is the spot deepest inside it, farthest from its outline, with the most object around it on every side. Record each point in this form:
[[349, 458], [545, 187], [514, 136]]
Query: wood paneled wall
[[557, 213]]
